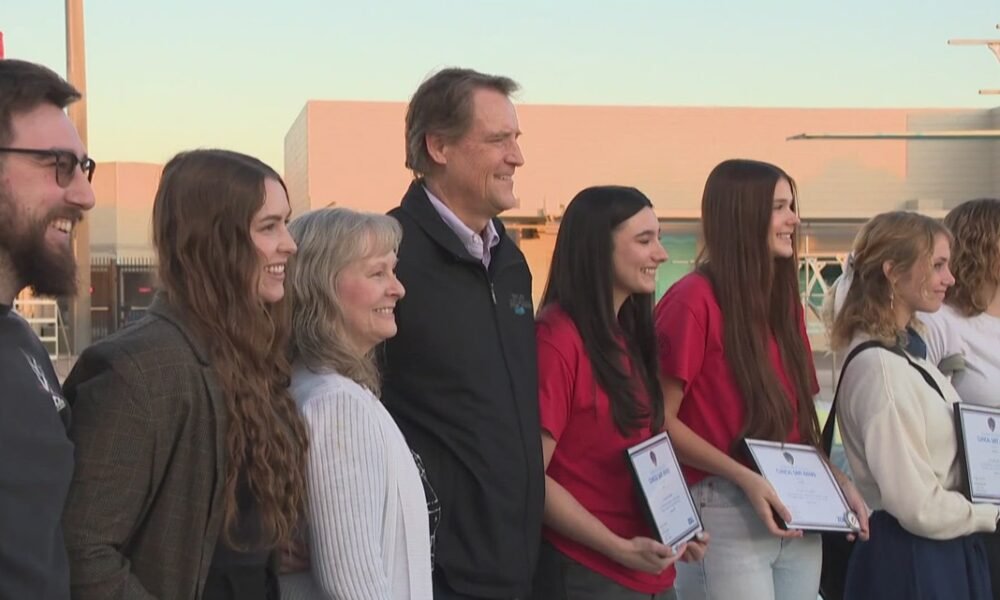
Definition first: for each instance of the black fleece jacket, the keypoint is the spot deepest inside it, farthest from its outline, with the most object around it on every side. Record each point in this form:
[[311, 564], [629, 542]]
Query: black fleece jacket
[[461, 380]]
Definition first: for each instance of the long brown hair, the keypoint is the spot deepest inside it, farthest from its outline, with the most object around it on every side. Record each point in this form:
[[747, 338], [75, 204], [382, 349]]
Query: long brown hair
[[758, 295], [905, 239], [581, 283], [975, 254], [209, 269]]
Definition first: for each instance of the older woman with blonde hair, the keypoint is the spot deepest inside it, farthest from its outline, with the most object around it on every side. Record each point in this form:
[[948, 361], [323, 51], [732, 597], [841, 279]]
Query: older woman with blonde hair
[[369, 535], [895, 415]]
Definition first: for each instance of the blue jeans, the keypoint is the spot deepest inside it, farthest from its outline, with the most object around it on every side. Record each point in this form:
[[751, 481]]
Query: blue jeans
[[744, 560]]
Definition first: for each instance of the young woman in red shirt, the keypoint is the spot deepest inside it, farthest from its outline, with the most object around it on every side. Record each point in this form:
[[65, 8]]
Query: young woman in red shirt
[[598, 396], [735, 362]]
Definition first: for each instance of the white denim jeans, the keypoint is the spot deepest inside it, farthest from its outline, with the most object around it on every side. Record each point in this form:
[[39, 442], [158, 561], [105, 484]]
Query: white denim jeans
[[744, 561]]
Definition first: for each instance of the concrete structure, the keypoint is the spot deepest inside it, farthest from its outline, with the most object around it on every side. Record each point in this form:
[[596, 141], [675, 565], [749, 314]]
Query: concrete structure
[[122, 272], [121, 221], [351, 154]]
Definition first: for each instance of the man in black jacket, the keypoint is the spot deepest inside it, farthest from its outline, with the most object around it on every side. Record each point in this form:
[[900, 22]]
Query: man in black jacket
[[461, 375], [44, 191]]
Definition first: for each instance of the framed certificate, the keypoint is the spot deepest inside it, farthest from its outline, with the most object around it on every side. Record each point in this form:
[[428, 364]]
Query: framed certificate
[[978, 429], [663, 491], [805, 484]]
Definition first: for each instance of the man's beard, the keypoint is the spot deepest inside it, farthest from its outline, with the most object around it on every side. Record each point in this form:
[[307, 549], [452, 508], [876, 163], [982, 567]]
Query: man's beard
[[49, 272]]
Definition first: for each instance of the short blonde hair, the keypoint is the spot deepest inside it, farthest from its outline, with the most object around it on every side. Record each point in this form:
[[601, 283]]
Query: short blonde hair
[[328, 240], [906, 239]]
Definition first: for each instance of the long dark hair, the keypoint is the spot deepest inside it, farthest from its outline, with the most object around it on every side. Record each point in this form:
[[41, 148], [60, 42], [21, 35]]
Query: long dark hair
[[209, 269], [758, 295], [581, 283]]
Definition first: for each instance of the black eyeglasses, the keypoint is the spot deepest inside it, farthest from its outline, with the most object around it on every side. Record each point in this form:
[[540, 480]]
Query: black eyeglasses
[[65, 163]]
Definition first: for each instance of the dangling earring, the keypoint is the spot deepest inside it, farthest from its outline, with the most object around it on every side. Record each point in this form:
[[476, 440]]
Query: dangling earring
[[892, 297]]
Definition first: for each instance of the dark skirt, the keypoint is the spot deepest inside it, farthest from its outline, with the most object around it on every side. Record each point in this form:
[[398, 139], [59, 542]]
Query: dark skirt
[[241, 583], [992, 543], [895, 563]]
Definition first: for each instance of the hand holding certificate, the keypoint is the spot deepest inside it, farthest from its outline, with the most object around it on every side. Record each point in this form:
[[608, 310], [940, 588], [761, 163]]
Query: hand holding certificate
[[979, 448], [805, 484], [664, 492]]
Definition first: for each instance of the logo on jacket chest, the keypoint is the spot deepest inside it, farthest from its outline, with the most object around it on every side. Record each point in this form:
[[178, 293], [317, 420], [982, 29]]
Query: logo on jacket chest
[[44, 384], [520, 304]]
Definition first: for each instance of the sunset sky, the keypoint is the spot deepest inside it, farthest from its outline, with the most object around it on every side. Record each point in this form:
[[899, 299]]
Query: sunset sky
[[168, 76]]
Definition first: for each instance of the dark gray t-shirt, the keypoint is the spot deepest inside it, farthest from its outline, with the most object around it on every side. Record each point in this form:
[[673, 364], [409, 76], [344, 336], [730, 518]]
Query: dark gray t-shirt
[[36, 466]]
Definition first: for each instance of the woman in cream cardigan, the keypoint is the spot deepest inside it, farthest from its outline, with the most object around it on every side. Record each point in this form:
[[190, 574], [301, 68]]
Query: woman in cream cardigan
[[895, 416], [369, 534]]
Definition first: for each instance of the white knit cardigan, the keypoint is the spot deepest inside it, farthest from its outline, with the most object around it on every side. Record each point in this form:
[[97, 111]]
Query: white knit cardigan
[[368, 528]]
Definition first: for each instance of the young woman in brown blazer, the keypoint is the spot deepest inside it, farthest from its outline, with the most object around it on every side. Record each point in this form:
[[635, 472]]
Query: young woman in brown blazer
[[189, 450]]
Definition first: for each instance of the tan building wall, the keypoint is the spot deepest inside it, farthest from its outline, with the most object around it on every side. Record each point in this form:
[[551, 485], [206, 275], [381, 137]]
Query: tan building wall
[[354, 155], [538, 252], [120, 222], [351, 154], [348, 155], [297, 163], [940, 174], [995, 114]]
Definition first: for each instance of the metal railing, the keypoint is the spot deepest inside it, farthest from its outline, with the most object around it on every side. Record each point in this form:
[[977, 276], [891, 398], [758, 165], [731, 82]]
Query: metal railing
[[45, 320]]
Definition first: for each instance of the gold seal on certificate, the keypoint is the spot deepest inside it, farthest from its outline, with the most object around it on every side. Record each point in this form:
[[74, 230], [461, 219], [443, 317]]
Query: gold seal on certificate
[[979, 448], [805, 484], [664, 492]]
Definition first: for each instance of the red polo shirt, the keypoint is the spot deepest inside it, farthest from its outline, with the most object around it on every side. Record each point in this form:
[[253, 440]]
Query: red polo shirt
[[589, 458], [689, 331]]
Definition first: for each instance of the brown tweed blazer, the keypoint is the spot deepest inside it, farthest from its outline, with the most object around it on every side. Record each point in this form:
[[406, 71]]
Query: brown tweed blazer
[[145, 508]]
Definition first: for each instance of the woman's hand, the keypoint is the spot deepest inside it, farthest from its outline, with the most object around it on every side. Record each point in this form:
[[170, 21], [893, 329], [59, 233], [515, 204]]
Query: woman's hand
[[646, 555], [856, 503], [696, 548], [765, 501]]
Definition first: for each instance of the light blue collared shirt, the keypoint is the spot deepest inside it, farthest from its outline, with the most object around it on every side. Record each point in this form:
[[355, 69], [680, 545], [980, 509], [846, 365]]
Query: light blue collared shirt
[[479, 245]]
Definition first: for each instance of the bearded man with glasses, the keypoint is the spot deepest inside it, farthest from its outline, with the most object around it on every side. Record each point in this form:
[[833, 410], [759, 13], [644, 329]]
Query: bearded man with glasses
[[44, 190]]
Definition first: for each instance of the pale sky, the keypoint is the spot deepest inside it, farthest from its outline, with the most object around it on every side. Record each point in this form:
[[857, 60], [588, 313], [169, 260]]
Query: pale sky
[[170, 76]]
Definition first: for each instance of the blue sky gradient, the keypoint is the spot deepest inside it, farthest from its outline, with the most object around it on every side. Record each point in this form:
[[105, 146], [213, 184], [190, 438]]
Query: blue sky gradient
[[167, 76]]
